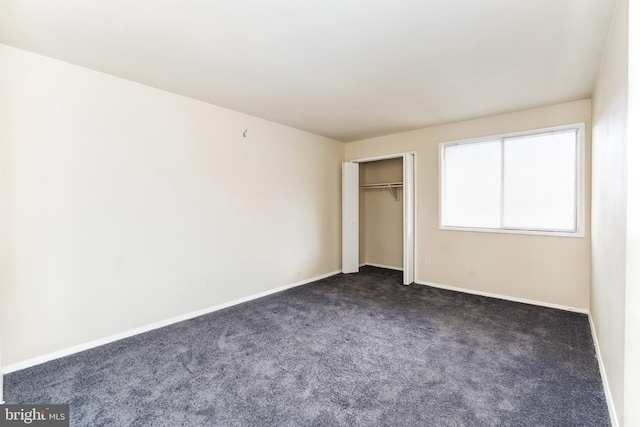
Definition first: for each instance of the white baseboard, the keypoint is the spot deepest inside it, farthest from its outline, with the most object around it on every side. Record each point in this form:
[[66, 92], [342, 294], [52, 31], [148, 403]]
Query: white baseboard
[[388, 267], [603, 375], [504, 297], [106, 340]]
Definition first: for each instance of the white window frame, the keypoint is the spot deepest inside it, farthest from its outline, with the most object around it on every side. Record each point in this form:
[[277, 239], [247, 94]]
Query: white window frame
[[580, 181]]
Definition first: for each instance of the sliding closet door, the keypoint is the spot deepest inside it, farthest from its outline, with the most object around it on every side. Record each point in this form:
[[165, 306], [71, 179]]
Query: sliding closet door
[[350, 213], [409, 218]]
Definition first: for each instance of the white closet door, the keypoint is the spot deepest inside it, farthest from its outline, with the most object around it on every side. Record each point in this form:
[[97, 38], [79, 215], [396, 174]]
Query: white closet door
[[409, 218], [350, 217]]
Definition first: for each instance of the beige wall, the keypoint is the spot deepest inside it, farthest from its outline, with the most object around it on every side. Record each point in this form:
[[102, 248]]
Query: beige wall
[[547, 269], [616, 212], [381, 215], [609, 208], [123, 205]]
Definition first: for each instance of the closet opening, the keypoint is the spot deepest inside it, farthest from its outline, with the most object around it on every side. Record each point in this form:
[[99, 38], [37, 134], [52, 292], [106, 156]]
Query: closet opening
[[379, 214]]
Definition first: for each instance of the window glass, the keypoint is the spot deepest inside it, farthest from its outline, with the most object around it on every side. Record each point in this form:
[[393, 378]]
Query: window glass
[[530, 181], [540, 182], [472, 185]]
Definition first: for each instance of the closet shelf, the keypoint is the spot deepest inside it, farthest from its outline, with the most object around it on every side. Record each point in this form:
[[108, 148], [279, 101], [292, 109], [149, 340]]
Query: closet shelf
[[391, 186]]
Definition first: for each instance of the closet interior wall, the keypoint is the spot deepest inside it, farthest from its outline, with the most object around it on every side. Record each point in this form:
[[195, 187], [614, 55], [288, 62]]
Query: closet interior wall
[[381, 221]]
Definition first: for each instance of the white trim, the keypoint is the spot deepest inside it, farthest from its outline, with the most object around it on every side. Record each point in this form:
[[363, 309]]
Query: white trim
[[383, 157], [106, 340], [603, 374], [512, 231], [388, 267], [504, 297]]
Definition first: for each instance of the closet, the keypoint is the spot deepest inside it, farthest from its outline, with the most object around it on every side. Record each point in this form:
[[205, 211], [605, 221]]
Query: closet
[[380, 211], [378, 214]]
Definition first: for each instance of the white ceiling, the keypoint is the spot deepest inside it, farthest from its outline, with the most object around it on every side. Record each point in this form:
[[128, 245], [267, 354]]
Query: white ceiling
[[346, 69]]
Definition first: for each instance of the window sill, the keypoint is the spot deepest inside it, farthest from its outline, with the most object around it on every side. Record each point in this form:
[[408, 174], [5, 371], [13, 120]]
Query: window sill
[[578, 234]]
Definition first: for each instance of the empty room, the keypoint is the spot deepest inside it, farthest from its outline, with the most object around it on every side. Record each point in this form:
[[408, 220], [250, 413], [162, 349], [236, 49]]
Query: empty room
[[284, 213]]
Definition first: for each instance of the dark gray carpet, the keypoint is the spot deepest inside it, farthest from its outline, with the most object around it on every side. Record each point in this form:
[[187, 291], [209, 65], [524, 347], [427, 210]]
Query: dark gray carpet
[[348, 350]]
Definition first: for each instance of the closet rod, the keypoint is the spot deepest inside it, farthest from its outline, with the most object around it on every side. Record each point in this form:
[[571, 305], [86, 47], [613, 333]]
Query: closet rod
[[391, 186]]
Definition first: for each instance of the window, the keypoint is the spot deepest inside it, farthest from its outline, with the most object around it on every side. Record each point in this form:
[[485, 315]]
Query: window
[[527, 182]]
